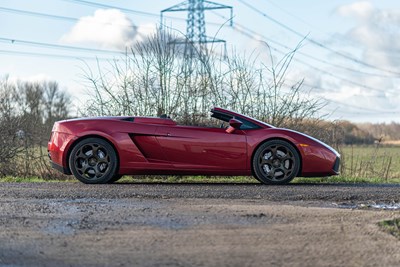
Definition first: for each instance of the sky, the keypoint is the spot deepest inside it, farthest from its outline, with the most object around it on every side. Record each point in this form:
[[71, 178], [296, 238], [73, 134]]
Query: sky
[[350, 56]]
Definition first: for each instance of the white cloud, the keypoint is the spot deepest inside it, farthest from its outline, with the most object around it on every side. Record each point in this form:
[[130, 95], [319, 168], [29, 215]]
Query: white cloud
[[376, 31], [361, 10], [107, 28], [41, 77], [375, 35], [145, 30]]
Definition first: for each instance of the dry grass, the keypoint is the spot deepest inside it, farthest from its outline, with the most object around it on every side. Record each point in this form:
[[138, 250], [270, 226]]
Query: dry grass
[[374, 161]]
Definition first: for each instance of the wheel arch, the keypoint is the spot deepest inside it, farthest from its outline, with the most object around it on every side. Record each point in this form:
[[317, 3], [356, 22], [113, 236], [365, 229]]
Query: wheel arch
[[75, 142], [281, 139]]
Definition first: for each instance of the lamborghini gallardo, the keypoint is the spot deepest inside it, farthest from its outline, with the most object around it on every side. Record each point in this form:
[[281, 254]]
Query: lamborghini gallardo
[[102, 149]]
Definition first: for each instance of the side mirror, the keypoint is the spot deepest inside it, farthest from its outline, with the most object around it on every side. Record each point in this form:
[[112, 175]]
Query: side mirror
[[234, 124]]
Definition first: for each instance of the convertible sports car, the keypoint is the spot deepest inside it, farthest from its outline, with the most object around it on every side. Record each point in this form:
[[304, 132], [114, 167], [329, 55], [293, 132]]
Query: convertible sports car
[[102, 149]]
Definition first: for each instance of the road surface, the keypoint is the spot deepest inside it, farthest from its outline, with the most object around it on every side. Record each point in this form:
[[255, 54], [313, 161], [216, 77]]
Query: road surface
[[72, 224]]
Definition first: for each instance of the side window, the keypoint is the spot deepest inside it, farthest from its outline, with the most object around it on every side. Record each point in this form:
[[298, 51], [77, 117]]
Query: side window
[[247, 125]]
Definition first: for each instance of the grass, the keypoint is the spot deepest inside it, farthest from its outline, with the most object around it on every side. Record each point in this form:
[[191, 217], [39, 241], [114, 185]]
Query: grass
[[188, 179], [143, 179], [373, 162], [33, 179], [391, 226], [347, 180]]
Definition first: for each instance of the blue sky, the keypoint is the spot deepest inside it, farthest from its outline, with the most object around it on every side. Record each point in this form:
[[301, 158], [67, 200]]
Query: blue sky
[[357, 71]]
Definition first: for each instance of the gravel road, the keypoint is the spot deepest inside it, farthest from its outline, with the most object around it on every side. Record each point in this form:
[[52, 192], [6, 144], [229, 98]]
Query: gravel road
[[72, 224]]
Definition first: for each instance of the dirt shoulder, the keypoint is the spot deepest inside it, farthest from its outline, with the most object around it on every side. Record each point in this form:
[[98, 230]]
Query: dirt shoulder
[[127, 225]]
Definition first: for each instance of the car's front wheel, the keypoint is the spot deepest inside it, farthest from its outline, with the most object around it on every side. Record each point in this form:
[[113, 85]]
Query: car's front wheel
[[276, 162], [94, 161]]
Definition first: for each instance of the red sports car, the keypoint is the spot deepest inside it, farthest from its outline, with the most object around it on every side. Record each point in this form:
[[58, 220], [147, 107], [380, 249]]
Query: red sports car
[[102, 149]]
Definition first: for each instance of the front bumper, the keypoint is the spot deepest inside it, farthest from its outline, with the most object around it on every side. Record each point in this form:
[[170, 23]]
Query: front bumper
[[336, 166]]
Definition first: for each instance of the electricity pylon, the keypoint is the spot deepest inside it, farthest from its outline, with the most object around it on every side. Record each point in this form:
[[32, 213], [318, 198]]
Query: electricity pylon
[[196, 37]]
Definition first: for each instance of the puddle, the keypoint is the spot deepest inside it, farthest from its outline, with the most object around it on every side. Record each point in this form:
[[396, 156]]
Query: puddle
[[380, 206], [395, 206], [56, 227]]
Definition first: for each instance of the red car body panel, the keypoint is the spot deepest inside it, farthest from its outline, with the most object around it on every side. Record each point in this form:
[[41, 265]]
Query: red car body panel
[[159, 146]]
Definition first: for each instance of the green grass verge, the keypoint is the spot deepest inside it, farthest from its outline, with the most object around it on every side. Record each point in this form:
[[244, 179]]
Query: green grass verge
[[391, 226], [142, 179], [188, 179], [13, 179], [347, 180]]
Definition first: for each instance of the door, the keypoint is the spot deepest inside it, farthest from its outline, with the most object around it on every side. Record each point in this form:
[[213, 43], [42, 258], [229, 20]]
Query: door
[[190, 147]]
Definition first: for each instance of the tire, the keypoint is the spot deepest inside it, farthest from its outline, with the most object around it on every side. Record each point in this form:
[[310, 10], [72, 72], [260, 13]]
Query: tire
[[115, 178], [94, 161], [276, 162]]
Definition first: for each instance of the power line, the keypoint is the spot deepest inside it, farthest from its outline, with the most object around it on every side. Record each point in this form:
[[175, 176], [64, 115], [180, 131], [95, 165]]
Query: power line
[[55, 17], [307, 64], [128, 10], [330, 74], [65, 18], [324, 88], [314, 41], [338, 102], [337, 77], [36, 14], [307, 55], [293, 15], [34, 54], [369, 111], [57, 46]]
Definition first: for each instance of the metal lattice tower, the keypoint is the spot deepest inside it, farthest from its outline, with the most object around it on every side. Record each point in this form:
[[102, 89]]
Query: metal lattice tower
[[195, 24]]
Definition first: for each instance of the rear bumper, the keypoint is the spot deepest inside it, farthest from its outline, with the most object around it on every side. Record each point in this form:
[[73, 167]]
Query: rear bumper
[[60, 168]]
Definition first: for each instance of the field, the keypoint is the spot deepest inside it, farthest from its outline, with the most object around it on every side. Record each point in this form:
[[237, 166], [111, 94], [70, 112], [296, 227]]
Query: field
[[374, 162]]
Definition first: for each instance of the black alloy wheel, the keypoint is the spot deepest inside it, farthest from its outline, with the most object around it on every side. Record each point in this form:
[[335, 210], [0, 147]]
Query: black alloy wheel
[[276, 162], [94, 161]]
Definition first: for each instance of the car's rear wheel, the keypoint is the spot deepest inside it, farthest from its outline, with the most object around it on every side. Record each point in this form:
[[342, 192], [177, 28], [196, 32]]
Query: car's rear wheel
[[94, 161], [276, 162]]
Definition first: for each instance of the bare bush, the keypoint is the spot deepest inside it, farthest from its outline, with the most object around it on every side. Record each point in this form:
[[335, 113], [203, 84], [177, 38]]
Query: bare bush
[[28, 111], [10, 124], [157, 77]]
